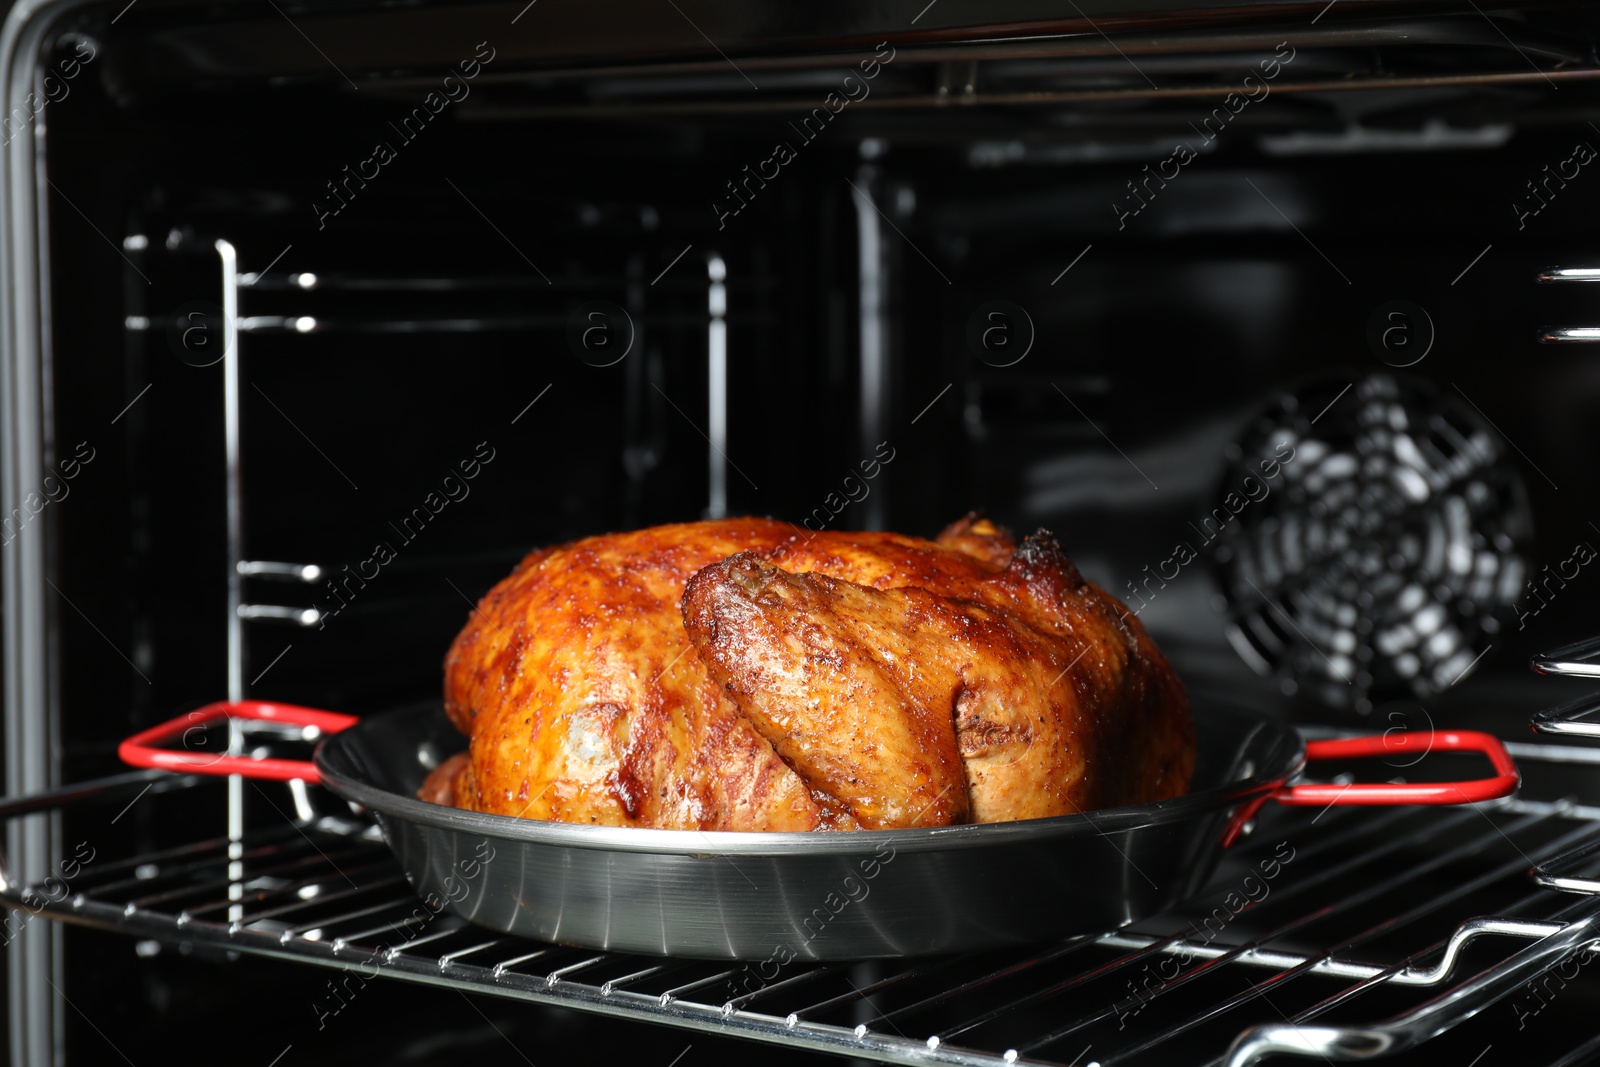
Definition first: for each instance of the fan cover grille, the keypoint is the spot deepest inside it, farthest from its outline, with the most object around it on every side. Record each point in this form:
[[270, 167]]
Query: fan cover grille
[[1389, 550]]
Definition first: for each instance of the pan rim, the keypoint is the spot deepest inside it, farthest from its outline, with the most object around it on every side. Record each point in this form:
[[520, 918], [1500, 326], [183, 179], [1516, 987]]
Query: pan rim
[[711, 843]]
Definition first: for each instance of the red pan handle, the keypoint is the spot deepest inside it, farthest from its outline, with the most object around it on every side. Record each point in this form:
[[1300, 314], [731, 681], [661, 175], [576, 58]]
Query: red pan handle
[[141, 749], [1327, 794], [1504, 782]]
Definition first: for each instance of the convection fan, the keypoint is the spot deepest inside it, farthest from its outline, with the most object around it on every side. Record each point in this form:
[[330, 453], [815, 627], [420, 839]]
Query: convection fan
[[1382, 556]]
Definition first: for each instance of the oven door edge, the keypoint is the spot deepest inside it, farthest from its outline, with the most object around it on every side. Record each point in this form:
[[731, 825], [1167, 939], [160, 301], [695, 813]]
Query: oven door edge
[[34, 1003]]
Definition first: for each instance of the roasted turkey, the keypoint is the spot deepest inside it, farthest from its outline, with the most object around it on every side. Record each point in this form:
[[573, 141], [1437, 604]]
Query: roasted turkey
[[745, 675]]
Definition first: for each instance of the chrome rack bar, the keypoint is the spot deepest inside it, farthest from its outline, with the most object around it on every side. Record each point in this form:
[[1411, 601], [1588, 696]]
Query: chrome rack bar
[[1580, 659], [306, 281], [612, 984], [306, 617], [717, 386], [309, 324], [146, 872], [235, 548], [573, 968], [1448, 1009], [504, 966], [1344, 903], [1574, 719], [239, 568], [1569, 720], [809, 975], [321, 899], [344, 940], [1571, 335], [1454, 944], [451, 928], [450, 957], [858, 993], [262, 842], [318, 929], [1557, 873], [1067, 948], [873, 322], [1289, 892], [309, 573], [809, 1006], [452, 964], [1569, 274], [676, 992], [1464, 935], [194, 889], [1272, 959], [299, 280], [105, 789]]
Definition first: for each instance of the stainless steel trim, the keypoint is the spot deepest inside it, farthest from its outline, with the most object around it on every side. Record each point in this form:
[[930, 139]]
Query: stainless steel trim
[[235, 550], [55, 946], [32, 708], [234, 492]]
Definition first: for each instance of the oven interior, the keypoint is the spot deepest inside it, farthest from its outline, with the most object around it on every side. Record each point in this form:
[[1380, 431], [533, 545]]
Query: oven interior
[[275, 349]]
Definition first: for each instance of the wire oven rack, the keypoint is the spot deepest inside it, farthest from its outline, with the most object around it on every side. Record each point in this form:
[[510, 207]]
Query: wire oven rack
[[1281, 954]]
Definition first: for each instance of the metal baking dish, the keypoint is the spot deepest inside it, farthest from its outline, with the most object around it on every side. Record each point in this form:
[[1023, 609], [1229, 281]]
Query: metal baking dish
[[820, 895]]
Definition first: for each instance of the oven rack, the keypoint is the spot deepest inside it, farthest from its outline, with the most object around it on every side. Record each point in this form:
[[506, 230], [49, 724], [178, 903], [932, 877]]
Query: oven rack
[[325, 891], [1574, 719]]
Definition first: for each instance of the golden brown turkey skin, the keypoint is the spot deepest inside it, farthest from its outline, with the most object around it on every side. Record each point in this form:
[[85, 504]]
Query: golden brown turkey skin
[[845, 681], [586, 703], [1026, 695], [834, 680]]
